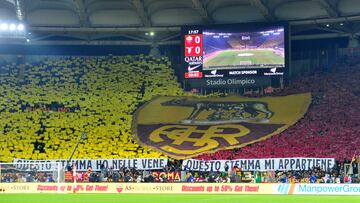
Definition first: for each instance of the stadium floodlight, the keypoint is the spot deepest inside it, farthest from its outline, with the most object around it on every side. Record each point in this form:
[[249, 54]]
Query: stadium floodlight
[[12, 27], [152, 33], [4, 26], [27, 40], [20, 27]]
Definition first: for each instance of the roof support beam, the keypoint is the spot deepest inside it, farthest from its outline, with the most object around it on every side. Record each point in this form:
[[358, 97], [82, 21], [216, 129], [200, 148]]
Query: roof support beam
[[333, 12], [350, 27], [331, 9], [169, 37], [325, 20], [174, 28], [140, 9], [96, 42], [334, 30], [19, 8], [104, 29], [198, 5], [81, 10], [101, 36], [319, 36], [263, 8]]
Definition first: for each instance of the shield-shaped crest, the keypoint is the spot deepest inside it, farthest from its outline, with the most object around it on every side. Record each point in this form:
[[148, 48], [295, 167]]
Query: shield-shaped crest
[[184, 127]]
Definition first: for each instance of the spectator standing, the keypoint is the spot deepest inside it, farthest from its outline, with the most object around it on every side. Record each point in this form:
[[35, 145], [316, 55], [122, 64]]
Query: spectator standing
[[312, 178]]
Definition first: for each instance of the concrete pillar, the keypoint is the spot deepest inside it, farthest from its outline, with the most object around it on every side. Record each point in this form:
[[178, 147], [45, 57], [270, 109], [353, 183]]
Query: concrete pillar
[[154, 50], [353, 42]]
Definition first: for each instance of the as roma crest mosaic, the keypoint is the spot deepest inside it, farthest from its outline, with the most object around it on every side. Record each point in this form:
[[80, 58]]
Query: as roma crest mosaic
[[184, 127]]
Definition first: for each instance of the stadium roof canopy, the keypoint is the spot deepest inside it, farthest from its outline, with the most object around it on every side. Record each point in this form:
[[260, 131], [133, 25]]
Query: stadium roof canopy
[[131, 21]]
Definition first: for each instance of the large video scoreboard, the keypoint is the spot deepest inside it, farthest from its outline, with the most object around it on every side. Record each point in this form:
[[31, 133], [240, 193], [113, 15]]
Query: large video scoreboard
[[234, 55]]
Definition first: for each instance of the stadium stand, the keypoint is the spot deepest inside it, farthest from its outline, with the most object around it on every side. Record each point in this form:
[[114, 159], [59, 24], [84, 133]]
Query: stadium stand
[[44, 112], [329, 129], [53, 101]]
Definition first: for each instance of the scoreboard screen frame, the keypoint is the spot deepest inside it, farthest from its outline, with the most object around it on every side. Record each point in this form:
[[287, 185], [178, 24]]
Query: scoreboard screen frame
[[192, 53]]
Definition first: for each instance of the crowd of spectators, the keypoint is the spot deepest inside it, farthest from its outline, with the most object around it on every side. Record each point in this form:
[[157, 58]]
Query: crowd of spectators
[[44, 109], [175, 174], [330, 128], [54, 101]]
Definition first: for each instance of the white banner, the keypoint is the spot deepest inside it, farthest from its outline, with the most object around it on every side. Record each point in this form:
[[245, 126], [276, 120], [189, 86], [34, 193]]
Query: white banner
[[84, 164], [271, 164]]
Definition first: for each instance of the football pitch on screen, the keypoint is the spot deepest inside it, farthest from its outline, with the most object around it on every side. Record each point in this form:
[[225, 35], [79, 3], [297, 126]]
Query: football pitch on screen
[[172, 198], [244, 57]]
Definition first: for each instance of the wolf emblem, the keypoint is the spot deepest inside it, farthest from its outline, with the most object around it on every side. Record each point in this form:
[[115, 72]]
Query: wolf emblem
[[224, 112]]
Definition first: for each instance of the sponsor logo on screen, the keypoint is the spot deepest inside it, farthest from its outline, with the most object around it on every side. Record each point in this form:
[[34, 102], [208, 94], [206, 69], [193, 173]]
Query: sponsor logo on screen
[[214, 75], [194, 74], [274, 71], [192, 68], [243, 72], [194, 60]]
